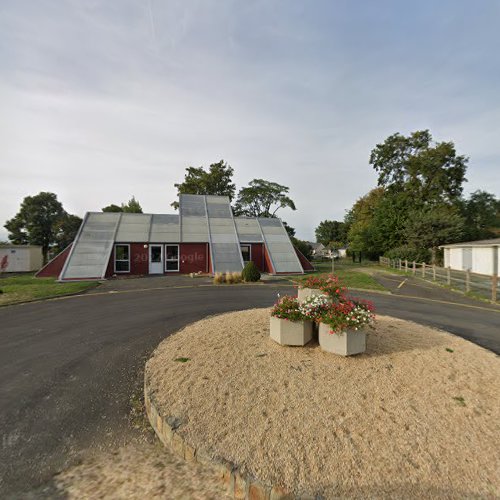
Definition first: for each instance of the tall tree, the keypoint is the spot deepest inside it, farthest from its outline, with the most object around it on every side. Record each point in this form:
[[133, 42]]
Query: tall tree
[[331, 230], [113, 208], [481, 212], [430, 227], [217, 180], [262, 199], [36, 221], [65, 230], [427, 172], [131, 207], [360, 222]]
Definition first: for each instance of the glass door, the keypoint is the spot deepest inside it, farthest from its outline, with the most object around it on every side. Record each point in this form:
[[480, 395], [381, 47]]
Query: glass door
[[155, 259], [172, 260]]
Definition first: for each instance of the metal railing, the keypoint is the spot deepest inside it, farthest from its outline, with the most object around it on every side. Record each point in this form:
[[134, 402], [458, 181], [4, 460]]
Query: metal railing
[[483, 285]]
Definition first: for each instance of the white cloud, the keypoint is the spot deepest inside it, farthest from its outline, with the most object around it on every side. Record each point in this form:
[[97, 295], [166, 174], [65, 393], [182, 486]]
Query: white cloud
[[102, 100]]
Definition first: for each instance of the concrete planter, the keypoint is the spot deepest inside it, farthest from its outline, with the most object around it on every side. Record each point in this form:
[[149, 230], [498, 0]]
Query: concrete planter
[[305, 293], [346, 343], [290, 332]]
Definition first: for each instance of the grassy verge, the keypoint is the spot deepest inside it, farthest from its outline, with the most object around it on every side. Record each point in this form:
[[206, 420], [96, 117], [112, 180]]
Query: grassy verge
[[26, 287], [351, 274]]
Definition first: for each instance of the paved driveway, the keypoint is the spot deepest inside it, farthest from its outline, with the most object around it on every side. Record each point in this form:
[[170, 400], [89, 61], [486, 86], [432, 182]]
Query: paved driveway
[[68, 367]]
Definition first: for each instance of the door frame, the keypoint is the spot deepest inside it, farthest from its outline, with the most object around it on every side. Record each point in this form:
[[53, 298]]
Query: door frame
[[172, 260], [160, 264]]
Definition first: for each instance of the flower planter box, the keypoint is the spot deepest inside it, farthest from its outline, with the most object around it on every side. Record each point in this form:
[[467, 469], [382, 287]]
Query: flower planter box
[[346, 343], [305, 293], [287, 332]]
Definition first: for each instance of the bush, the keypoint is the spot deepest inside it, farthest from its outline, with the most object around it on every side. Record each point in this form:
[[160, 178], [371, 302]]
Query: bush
[[236, 277], [409, 253], [218, 278], [250, 272]]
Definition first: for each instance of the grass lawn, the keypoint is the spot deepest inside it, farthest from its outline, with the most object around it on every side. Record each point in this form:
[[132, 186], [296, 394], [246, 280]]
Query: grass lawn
[[25, 287], [351, 274]]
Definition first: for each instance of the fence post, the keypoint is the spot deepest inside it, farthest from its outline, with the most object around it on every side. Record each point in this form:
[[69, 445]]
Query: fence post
[[423, 269], [406, 265], [467, 280], [434, 272], [494, 284], [448, 275], [414, 268]]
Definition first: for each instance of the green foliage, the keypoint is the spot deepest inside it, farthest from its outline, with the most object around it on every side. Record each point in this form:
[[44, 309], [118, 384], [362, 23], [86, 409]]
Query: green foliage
[[66, 229], [482, 215], [303, 247], [287, 307], [262, 199], [424, 171], [430, 227], [331, 230], [131, 207], [409, 253], [289, 229], [36, 222], [250, 272], [216, 181], [113, 208]]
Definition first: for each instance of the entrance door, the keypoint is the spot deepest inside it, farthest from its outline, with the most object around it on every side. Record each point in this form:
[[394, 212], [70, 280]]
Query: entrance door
[[155, 259]]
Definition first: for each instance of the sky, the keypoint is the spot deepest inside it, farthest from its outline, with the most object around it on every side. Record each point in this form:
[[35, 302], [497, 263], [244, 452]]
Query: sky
[[101, 100]]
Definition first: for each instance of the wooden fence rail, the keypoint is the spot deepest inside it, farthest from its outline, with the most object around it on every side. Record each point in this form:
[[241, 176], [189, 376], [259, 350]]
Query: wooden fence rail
[[484, 285]]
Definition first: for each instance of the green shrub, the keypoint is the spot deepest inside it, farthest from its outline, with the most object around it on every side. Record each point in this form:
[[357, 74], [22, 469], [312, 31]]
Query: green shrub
[[409, 253], [250, 272]]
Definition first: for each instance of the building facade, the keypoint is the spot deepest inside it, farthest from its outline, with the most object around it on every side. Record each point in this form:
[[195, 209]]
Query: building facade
[[481, 257], [204, 237]]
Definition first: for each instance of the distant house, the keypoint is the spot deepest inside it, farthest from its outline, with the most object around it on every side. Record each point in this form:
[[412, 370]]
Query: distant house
[[480, 256], [204, 237], [320, 251], [20, 258]]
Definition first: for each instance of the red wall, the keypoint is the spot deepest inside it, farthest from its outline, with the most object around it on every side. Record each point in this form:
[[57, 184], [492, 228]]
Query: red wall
[[306, 265], [258, 256], [193, 258], [267, 260], [53, 268]]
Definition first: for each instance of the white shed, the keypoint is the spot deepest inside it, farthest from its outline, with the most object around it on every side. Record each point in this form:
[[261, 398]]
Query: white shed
[[480, 257], [20, 258]]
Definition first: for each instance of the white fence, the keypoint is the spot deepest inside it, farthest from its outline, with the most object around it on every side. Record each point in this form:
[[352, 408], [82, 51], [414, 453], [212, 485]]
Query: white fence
[[482, 285]]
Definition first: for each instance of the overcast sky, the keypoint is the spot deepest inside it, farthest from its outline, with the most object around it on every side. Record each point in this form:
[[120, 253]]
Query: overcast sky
[[102, 100]]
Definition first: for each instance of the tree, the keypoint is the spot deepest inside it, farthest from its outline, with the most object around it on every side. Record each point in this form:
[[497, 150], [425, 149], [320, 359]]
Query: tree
[[112, 208], [360, 222], [65, 230], [304, 247], [131, 207], [218, 180], [262, 199], [36, 221], [430, 227], [331, 230], [426, 172], [289, 229], [482, 215]]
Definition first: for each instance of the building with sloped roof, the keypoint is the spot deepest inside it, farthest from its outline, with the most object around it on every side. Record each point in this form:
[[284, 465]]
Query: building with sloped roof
[[481, 256], [204, 237]]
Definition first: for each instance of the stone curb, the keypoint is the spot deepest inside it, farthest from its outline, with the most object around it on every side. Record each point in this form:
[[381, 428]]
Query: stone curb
[[239, 485]]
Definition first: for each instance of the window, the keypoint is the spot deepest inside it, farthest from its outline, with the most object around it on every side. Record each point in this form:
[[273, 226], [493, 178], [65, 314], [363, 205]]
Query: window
[[246, 252], [172, 257], [122, 258]]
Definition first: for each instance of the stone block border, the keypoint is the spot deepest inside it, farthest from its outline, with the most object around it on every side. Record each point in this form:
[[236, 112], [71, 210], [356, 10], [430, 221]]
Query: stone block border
[[239, 484]]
